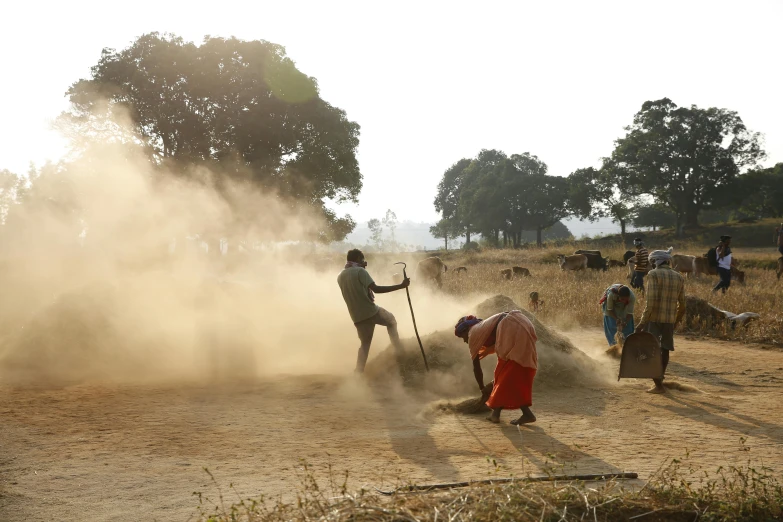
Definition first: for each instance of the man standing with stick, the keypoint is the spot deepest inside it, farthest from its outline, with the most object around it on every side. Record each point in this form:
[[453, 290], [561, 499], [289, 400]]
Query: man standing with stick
[[359, 290]]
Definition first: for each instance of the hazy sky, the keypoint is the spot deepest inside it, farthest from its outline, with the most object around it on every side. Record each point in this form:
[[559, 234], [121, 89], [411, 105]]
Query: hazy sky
[[432, 82]]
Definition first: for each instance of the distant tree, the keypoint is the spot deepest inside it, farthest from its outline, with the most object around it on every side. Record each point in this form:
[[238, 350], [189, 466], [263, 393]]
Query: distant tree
[[548, 197], [390, 222], [485, 199], [521, 199], [685, 157], [241, 108], [46, 208], [9, 183], [376, 233], [447, 200], [494, 194], [654, 216], [442, 230], [762, 192], [556, 231]]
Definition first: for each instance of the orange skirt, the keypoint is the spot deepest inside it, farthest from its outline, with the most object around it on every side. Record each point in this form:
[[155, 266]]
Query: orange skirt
[[513, 386]]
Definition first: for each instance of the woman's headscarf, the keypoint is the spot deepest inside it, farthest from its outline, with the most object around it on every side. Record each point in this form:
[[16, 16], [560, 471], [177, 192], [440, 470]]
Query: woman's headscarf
[[465, 323]]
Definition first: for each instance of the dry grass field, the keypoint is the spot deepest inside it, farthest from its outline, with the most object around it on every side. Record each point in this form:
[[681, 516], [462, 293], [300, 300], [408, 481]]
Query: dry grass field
[[571, 297]]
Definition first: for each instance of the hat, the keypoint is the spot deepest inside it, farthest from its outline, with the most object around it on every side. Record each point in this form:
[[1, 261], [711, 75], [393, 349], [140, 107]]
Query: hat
[[637, 241], [724, 238], [659, 256]]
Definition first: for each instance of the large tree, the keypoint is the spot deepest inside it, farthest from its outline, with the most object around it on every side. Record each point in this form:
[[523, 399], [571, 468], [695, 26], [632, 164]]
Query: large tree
[[548, 197], [653, 216], [447, 199], [687, 158], [762, 192], [495, 194], [241, 108]]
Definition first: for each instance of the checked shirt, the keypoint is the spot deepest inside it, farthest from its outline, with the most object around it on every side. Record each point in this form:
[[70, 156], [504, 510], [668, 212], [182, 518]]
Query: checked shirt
[[665, 296]]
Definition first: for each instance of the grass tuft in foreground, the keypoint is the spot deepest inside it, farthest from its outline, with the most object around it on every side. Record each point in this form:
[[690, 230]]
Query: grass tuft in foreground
[[734, 493]]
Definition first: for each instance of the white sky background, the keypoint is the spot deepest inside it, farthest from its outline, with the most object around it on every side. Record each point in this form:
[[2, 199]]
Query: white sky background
[[432, 82]]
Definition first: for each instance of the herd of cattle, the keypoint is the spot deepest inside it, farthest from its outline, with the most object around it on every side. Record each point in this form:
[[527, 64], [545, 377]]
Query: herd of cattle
[[685, 264], [432, 269]]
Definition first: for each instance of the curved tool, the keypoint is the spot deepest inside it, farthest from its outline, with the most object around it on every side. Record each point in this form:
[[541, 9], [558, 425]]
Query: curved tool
[[415, 329]]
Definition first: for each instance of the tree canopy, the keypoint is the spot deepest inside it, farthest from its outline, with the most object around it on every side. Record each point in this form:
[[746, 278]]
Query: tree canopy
[[497, 195], [653, 216], [687, 158], [241, 108], [762, 192], [601, 193]]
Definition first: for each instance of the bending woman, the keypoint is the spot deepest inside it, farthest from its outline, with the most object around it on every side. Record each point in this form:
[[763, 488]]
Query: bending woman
[[512, 337]]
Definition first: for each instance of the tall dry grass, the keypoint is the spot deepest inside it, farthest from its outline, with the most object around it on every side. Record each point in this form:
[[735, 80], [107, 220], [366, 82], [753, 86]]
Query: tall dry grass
[[674, 493], [571, 298]]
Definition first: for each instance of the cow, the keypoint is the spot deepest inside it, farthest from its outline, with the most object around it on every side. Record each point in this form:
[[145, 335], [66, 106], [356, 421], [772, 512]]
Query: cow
[[779, 271], [631, 266], [431, 269], [461, 269], [520, 271], [701, 265], [575, 262], [594, 259], [628, 255], [506, 273], [682, 263], [613, 263]]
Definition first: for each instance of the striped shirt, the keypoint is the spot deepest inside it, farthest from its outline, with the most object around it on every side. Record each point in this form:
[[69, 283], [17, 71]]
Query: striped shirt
[[665, 296], [642, 260]]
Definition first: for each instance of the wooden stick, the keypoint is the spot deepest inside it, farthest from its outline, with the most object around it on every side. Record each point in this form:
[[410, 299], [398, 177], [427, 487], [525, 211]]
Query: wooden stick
[[415, 329], [543, 478]]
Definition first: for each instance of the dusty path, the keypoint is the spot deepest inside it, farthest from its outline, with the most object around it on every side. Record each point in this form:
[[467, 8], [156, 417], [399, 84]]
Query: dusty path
[[137, 452]]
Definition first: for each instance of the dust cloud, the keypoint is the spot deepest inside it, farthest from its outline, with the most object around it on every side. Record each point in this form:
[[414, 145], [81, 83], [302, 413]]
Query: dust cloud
[[560, 363], [104, 279]]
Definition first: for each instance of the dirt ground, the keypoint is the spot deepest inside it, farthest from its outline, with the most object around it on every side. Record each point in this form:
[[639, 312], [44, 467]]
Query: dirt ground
[[139, 452]]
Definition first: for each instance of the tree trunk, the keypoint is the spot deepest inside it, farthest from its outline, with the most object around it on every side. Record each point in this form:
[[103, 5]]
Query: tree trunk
[[467, 237], [446, 240], [692, 216], [678, 226], [539, 231], [622, 231]]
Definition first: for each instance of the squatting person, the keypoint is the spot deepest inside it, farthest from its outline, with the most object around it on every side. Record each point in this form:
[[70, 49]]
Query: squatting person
[[512, 337], [617, 304], [664, 308], [359, 291], [723, 254], [641, 266]]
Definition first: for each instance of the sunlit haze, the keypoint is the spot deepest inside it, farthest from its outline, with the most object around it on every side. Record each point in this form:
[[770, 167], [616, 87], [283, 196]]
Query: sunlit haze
[[430, 83]]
